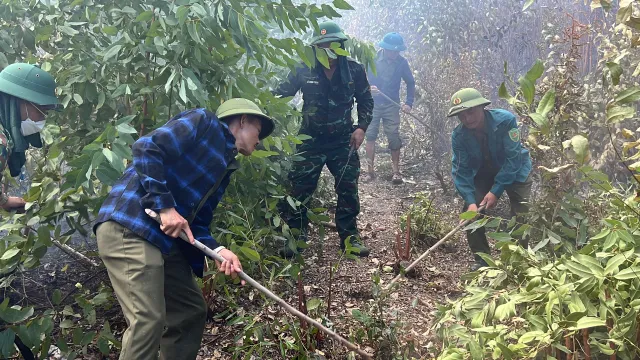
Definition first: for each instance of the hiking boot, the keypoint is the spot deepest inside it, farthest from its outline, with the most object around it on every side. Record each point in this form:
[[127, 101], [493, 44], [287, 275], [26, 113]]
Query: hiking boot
[[397, 179], [478, 264], [357, 248]]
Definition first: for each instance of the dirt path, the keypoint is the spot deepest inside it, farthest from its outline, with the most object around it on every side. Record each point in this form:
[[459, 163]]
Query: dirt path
[[412, 306]]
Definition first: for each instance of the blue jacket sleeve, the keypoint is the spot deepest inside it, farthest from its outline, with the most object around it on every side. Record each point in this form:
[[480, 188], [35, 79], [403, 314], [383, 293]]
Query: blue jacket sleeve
[[461, 171], [407, 76], [164, 145], [200, 226], [513, 159]]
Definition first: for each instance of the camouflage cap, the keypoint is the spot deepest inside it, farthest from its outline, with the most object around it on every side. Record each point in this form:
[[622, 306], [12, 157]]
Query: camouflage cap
[[328, 31]]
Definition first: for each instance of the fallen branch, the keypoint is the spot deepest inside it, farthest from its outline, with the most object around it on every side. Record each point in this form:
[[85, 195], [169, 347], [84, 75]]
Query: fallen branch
[[74, 253], [290, 309], [68, 250], [424, 255]]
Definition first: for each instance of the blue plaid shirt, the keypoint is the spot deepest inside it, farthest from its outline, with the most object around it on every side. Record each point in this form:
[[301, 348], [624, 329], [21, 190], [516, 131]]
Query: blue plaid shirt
[[174, 166]]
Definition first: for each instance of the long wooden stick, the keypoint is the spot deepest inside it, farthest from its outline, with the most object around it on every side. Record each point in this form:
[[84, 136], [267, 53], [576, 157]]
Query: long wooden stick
[[400, 106], [421, 121], [424, 255], [290, 309]]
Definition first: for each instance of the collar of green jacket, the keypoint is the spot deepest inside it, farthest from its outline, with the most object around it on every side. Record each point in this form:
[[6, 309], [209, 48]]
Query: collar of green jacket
[[507, 153]]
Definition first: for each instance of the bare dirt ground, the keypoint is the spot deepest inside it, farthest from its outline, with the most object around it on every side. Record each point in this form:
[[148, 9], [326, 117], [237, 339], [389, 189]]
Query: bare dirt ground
[[412, 306]]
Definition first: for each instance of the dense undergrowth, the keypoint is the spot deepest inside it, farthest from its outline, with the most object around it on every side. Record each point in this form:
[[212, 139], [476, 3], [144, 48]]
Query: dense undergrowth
[[125, 67]]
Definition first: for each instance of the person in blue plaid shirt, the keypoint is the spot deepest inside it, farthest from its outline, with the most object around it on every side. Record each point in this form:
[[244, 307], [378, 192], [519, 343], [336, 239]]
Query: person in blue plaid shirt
[[180, 170]]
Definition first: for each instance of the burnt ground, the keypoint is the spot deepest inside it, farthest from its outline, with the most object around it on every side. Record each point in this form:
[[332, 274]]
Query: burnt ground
[[407, 313]]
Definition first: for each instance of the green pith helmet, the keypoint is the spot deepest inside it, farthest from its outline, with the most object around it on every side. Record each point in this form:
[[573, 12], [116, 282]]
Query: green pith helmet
[[328, 32], [240, 106], [466, 99], [30, 83]]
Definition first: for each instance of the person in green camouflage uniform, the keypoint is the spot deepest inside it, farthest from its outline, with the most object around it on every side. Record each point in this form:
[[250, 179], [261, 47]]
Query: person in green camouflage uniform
[[328, 95], [27, 93]]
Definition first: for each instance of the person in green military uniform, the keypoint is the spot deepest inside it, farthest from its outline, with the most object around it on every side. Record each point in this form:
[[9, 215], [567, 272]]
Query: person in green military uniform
[[328, 95], [27, 93], [488, 159]]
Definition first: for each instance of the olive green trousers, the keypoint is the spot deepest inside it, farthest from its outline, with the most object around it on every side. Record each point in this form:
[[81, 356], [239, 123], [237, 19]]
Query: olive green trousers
[[161, 301], [519, 194]]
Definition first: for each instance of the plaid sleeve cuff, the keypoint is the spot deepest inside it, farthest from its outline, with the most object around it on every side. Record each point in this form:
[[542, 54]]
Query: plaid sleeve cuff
[[158, 202]]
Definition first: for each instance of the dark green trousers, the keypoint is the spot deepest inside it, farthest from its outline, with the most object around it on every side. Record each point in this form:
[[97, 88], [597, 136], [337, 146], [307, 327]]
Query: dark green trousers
[[158, 294], [318, 152], [519, 194]]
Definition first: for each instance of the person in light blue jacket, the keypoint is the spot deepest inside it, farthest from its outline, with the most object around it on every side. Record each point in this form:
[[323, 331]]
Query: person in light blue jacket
[[488, 159]]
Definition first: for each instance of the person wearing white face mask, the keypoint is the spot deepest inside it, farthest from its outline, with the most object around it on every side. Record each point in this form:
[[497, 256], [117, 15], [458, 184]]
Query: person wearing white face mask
[[27, 93], [30, 126]]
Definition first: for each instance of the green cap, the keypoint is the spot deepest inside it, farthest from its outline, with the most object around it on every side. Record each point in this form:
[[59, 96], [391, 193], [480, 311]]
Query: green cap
[[466, 99], [328, 32], [240, 106], [30, 83]]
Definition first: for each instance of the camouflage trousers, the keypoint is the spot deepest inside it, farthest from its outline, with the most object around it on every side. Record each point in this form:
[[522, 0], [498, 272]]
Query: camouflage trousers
[[303, 178]]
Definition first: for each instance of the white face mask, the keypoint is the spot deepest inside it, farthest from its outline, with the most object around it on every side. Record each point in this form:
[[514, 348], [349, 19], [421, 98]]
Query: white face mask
[[30, 127]]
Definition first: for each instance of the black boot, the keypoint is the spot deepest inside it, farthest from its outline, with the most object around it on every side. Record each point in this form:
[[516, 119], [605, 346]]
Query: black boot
[[479, 263], [24, 350], [356, 248]]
